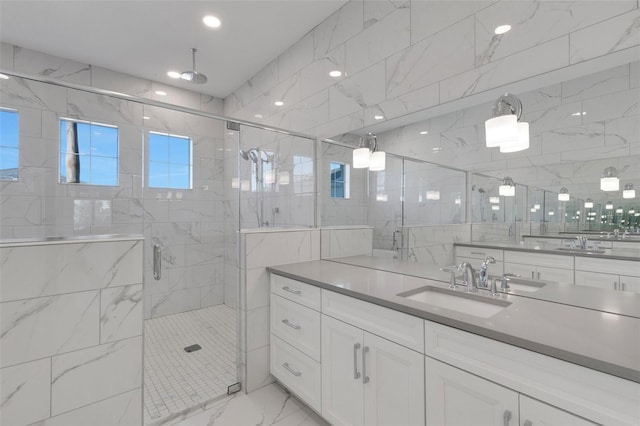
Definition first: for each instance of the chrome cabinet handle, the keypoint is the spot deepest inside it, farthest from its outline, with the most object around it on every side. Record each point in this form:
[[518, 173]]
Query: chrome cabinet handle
[[157, 262], [290, 290], [291, 370], [356, 374], [506, 418], [532, 272], [622, 286], [290, 324], [527, 423], [538, 275], [365, 378], [480, 253], [615, 285]]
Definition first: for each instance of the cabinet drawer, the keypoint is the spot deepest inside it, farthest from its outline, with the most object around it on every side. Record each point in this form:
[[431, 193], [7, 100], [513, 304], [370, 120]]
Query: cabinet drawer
[[608, 266], [597, 279], [396, 326], [478, 252], [296, 324], [559, 275], [305, 294], [539, 259], [301, 374]]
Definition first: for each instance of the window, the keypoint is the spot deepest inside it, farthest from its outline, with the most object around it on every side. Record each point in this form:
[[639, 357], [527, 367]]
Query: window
[[169, 161], [88, 153], [339, 180], [8, 144]]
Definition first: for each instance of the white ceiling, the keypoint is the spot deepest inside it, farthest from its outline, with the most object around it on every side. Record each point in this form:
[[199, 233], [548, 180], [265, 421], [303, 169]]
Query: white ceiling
[[147, 38]]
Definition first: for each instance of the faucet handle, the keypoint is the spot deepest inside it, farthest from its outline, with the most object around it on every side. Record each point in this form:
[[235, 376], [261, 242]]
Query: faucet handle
[[489, 259], [504, 286], [452, 278]]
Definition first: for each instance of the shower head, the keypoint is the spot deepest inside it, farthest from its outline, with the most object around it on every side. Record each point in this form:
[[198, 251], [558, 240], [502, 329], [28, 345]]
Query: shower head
[[252, 154], [194, 76], [244, 154]]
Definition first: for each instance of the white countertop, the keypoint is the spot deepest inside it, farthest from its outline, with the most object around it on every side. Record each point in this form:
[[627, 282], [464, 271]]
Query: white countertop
[[599, 340]]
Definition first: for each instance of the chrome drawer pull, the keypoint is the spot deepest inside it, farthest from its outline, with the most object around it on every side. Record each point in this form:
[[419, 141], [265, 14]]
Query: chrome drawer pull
[[290, 290], [506, 418], [477, 252], [365, 378], [290, 324], [356, 374], [291, 370]]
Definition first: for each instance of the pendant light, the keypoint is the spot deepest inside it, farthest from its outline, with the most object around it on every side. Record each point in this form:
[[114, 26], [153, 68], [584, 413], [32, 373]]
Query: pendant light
[[563, 195], [367, 154], [609, 180], [609, 205], [504, 129], [628, 191], [588, 204], [508, 187]]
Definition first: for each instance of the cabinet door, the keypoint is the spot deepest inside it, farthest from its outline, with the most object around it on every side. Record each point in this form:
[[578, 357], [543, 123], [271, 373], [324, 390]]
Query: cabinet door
[[342, 390], [455, 397], [597, 279], [525, 271], [631, 284], [564, 276], [536, 413], [393, 383]]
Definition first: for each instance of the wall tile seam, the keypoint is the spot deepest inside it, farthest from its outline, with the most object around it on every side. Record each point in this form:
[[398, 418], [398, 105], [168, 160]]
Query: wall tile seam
[[51, 416], [67, 293]]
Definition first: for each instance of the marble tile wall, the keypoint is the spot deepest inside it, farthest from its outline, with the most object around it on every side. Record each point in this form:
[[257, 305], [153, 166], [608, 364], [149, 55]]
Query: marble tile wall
[[346, 241], [396, 57], [434, 244], [259, 249], [188, 224], [71, 332]]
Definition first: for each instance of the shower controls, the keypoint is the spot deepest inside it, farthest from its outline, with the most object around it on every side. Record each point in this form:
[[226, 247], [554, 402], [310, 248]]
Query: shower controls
[[290, 324], [157, 262]]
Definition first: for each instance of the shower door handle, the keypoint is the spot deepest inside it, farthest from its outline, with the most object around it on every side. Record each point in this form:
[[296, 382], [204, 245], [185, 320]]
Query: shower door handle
[[157, 262]]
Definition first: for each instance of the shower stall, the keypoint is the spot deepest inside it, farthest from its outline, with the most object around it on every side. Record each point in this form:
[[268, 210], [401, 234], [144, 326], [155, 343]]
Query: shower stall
[[191, 183]]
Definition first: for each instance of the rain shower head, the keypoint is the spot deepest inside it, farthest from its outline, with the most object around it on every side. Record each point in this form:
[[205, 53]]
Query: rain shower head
[[252, 154], [194, 76]]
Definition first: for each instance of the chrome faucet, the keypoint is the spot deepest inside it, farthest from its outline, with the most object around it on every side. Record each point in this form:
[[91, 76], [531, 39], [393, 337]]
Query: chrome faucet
[[504, 285], [484, 274], [452, 277], [468, 276]]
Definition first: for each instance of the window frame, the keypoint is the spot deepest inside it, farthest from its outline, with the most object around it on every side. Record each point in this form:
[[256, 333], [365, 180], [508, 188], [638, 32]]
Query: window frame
[[346, 181], [17, 147]]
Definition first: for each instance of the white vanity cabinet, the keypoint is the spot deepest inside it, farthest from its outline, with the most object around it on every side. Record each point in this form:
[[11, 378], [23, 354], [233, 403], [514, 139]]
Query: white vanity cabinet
[[366, 379], [536, 413], [455, 397], [539, 266], [620, 275]]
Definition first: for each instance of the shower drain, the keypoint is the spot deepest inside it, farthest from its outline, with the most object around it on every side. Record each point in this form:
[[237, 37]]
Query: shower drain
[[192, 348]]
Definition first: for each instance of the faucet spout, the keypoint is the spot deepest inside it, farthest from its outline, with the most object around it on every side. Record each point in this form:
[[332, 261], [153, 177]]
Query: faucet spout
[[469, 276]]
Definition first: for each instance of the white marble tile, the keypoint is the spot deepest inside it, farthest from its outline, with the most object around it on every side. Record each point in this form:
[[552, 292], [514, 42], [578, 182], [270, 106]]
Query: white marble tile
[[21, 211], [36, 328], [211, 104], [605, 37], [315, 244], [346, 242], [409, 102], [174, 302], [535, 22], [303, 417], [69, 267], [315, 76], [306, 114], [120, 313], [18, 92], [379, 41], [537, 60], [103, 78], [358, 91], [90, 375], [634, 73], [265, 249], [123, 409], [257, 288], [601, 83], [257, 328], [338, 28], [6, 56], [622, 130], [296, 57], [258, 374], [570, 139], [24, 395], [430, 17], [32, 62], [340, 126], [212, 295], [430, 60], [376, 10], [612, 106]]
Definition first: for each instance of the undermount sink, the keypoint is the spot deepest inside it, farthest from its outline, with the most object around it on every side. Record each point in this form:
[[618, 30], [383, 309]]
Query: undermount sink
[[459, 301], [577, 250]]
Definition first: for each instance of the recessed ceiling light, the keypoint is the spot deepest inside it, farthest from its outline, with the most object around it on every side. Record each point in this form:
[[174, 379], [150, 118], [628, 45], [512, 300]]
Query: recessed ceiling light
[[4, 76], [502, 29], [577, 114], [379, 117], [173, 74], [258, 116], [424, 132], [211, 21], [436, 149], [278, 103], [161, 93], [146, 118], [335, 73]]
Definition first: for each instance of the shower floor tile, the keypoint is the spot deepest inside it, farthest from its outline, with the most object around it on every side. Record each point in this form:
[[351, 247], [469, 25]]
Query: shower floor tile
[[176, 380]]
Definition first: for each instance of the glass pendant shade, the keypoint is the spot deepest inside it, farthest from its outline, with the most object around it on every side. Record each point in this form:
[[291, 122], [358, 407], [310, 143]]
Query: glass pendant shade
[[501, 129], [508, 188], [283, 178], [619, 210], [494, 200], [628, 191], [563, 195], [377, 161], [609, 180], [588, 204], [520, 143], [609, 205], [433, 195], [495, 207], [235, 183], [361, 158]]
